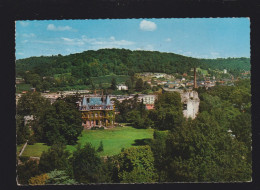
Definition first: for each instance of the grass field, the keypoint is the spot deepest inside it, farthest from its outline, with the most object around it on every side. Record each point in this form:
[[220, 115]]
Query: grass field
[[35, 149], [203, 71], [107, 79], [113, 139], [23, 87]]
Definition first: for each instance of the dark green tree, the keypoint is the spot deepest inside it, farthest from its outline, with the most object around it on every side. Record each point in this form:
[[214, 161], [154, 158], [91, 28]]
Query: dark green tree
[[101, 147], [22, 131], [136, 165], [60, 123], [139, 85], [113, 83], [55, 158], [203, 151], [32, 103], [87, 165], [168, 111], [26, 171]]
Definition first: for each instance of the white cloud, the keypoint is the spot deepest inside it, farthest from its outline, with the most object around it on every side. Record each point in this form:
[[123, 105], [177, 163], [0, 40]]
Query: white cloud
[[28, 35], [106, 43], [19, 53], [112, 38], [24, 41], [52, 27], [70, 41], [168, 40], [24, 24], [147, 25]]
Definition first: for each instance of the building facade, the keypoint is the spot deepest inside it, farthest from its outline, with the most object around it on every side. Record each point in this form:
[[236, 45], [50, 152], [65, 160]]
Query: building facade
[[97, 112], [190, 101], [147, 99]]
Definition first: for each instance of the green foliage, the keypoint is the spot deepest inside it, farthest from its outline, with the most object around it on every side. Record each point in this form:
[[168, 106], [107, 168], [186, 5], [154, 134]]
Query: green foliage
[[61, 122], [113, 83], [22, 131], [32, 103], [241, 128], [139, 85], [87, 165], [123, 62], [24, 158], [158, 147], [26, 171], [59, 177], [39, 179], [168, 111], [136, 165], [55, 158], [201, 151], [100, 148]]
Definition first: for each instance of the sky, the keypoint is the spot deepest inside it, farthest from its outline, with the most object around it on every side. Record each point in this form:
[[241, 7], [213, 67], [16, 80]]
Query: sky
[[193, 37]]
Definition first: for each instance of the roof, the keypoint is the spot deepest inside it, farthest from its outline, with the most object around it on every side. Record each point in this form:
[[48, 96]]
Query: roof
[[149, 106], [88, 103], [95, 101]]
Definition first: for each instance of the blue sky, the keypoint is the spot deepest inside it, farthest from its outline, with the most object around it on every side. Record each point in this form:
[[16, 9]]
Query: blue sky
[[194, 37]]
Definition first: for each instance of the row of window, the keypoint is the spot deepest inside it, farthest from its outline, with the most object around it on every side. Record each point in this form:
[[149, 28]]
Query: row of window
[[96, 115]]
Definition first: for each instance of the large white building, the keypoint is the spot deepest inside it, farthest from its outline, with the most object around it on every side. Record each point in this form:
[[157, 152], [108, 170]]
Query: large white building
[[147, 99]]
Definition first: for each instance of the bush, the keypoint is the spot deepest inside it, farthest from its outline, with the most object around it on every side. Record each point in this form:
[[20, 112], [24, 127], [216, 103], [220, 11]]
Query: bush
[[24, 158]]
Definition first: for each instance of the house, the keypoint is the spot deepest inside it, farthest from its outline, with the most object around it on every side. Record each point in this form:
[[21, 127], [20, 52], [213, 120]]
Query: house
[[122, 87], [147, 99], [97, 111]]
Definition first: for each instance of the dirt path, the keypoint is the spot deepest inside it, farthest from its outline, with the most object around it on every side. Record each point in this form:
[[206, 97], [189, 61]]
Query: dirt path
[[24, 146]]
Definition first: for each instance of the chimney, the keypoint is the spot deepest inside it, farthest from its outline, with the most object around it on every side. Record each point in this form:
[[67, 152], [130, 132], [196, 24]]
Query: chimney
[[195, 78]]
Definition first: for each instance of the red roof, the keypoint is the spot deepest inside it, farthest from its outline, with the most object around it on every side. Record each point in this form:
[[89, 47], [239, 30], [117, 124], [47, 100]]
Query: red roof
[[149, 106]]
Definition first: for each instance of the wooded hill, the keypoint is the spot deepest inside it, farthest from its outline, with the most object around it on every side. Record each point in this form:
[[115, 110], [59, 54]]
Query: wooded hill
[[123, 62]]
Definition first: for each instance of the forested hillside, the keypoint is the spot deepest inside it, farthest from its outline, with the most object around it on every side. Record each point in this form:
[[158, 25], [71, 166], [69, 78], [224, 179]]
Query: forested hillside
[[122, 62]]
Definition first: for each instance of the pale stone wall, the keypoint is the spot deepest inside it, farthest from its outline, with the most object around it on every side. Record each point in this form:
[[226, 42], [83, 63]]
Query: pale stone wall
[[191, 99]]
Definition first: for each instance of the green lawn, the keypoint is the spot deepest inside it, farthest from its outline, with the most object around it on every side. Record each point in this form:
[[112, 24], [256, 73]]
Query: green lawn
[[203, 71], [113, 139], [23, 87], [35, 150], [107, 79]]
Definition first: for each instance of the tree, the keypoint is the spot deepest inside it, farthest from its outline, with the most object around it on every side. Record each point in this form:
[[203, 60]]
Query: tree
[[87, 165], [60, 123], [100, 148], [168, 111], [136, 165], [241, 128], [55, 158], [22, 131], [26, 171], [113, 84], [39, 179], [59, 177], [139, 85], [147, 86], [202, 151], [32, 103]]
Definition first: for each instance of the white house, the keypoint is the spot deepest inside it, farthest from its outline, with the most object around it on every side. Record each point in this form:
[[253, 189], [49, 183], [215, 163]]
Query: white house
[[122, 87]]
